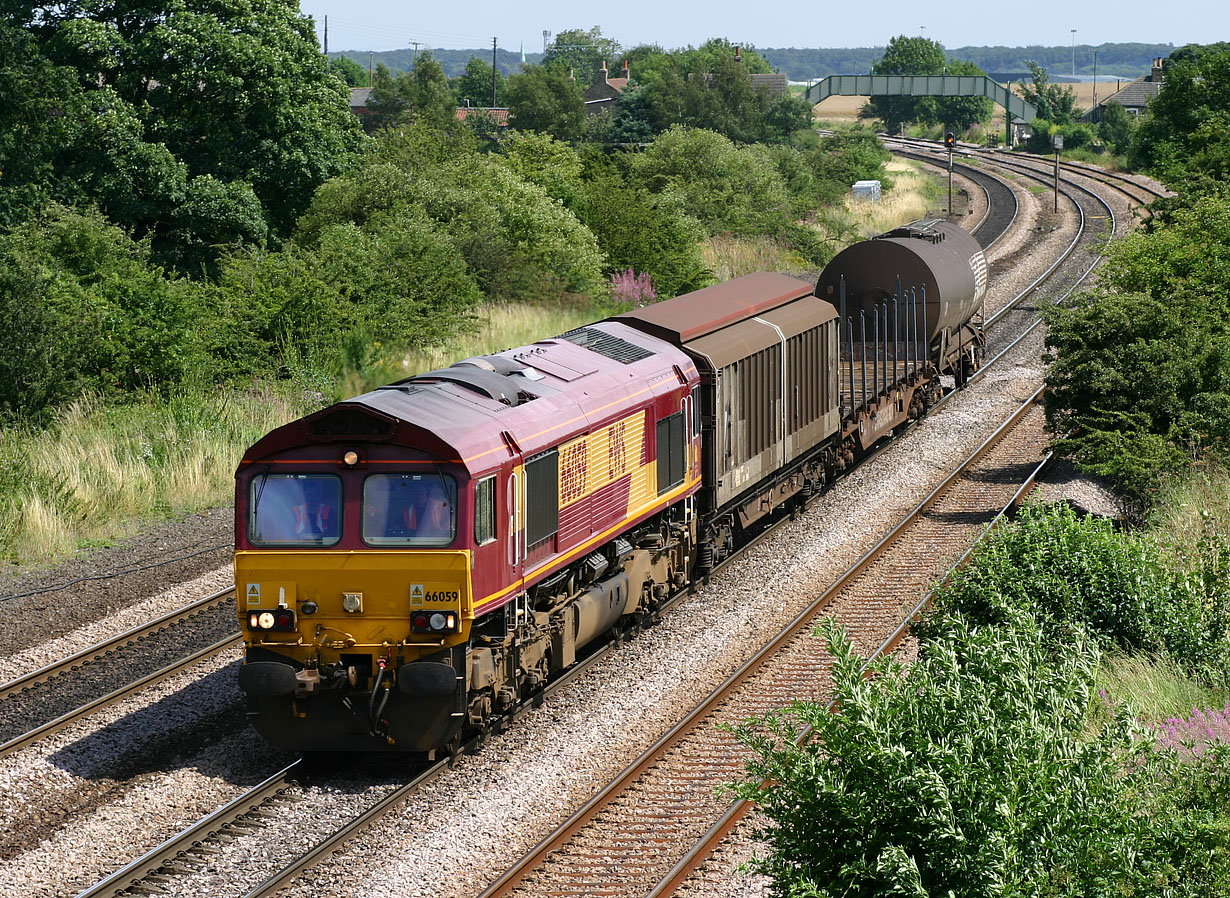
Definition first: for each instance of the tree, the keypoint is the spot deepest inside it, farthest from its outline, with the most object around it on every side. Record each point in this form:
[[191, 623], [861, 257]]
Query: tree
[[1054, 103], [1184, 139], [1140, 373], [907, 56], [474, 87], [1116, 128], [547, 100], [350, 71], [235, 89], [431, 98], [580, 52], [963, 112]]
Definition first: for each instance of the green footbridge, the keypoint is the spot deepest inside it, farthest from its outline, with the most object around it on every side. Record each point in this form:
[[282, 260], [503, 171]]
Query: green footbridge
[[924, 86]]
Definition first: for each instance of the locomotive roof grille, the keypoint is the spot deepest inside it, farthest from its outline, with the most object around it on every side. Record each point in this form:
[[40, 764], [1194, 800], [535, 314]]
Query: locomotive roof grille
[[350, 423], [612, 347]]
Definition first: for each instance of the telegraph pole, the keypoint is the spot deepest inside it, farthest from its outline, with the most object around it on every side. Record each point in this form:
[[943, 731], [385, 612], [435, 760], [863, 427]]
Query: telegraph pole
[[493, 73], [415, 44]]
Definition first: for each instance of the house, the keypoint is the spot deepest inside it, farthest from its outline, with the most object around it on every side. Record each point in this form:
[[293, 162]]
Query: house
[[603, 93], [498, 114], [1133, 97], [358, 100]]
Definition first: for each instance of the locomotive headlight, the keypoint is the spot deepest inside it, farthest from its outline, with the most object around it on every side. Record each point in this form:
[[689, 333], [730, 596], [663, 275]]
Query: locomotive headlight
[[265, 620], [438, 621], [352, 602], [350, 458]]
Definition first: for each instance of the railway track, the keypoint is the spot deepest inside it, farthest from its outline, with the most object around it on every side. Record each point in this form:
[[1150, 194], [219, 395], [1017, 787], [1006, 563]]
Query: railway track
[[174, 862], [46, 700], [656, 821]]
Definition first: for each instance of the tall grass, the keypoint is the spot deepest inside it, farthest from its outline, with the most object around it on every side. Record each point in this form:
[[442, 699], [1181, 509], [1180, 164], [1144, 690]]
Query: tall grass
[[1154, 688], [1193, 508], [914, 195], [729, 257], [99, 468], [497, 326]]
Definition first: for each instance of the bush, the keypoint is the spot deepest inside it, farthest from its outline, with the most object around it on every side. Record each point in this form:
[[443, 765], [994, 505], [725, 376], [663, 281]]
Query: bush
[[965, 774], [93, 313], [1119, 589], [725, 187]]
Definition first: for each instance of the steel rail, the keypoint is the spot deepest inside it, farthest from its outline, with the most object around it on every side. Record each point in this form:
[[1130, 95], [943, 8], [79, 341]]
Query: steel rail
[[118, 695], [135, 634], [741, 808], [133, 873], [516, 874]]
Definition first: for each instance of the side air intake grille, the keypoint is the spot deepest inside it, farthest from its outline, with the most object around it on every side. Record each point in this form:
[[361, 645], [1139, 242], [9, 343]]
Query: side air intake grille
[[605, 344], [350, 422]]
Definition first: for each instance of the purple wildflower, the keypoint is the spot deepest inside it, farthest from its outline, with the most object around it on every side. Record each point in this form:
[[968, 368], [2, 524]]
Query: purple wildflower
[[630, 288]]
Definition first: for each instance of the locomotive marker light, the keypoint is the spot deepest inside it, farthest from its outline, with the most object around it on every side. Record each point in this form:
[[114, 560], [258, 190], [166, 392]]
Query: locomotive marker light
[[282, 620], [352, 602]]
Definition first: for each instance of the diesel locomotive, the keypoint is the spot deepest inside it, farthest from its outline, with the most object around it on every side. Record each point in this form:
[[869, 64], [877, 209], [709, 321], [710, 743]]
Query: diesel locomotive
[[413, 562]]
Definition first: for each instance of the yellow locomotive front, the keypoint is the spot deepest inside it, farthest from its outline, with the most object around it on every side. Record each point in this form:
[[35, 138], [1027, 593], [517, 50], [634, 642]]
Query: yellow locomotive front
[[354, 597]]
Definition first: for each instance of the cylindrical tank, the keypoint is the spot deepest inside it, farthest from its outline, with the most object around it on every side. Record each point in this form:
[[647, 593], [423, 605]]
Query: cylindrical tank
[[932, 255]]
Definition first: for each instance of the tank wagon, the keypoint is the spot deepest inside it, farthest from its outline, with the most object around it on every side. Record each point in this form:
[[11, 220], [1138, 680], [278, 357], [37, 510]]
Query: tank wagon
[[412, 562]]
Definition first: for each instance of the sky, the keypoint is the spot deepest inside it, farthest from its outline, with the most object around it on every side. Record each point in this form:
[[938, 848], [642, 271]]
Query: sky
[[393, 24]]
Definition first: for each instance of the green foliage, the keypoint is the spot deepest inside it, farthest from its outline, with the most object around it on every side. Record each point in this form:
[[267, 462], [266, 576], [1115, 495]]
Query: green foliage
[[146, 98], [552, 165], [907, 56], [962, 113], [1140, 373], [965, 774], [710, 89], [1184, 139], [474, 86], [515, 240], [1122, 590], [643, 232], [420, 96], [727, 188], [580, 53], [349, 71], [547, 100], [850, 154], [1054, 103], [92, 312], [1116, 128]]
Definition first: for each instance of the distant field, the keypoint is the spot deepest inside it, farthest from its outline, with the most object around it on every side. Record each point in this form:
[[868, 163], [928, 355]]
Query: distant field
[[845, 109]]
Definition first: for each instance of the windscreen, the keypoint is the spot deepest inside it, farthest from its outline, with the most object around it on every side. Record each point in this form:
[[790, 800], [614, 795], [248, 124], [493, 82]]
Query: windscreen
[[294, 509], [409, 509]]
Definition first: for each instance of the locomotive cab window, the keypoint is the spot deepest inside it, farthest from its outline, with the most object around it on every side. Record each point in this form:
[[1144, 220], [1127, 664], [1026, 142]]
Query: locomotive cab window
[[671, 453], [295, 510], [484, 511], [409, 510]]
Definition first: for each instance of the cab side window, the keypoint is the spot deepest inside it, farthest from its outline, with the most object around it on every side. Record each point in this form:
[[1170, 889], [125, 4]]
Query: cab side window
[[484, 511]]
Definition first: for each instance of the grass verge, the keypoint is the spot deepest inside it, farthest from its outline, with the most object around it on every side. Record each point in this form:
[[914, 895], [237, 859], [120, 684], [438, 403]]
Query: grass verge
[[100, 470]]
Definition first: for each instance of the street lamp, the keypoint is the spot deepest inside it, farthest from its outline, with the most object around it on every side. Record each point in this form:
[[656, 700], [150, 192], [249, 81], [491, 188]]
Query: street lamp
[[1074, 53]]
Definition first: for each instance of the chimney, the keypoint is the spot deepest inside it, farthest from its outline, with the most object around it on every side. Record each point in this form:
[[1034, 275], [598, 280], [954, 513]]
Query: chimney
[[625, 73], [738, 54], [602, 73], [1158, 74]]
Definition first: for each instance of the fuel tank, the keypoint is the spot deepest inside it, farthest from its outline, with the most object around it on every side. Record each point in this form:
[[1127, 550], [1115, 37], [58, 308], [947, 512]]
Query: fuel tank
[[930, 255]]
